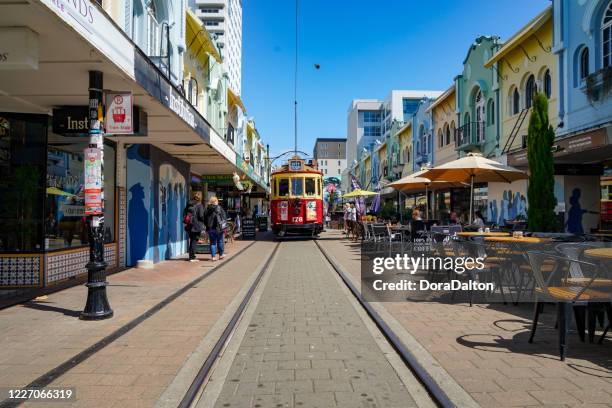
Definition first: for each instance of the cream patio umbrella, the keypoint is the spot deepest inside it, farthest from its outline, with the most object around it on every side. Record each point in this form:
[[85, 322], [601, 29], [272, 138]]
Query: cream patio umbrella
[[474, 168], [416, 182]]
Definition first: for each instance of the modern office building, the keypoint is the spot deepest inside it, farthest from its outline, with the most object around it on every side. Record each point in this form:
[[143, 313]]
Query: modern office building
[[330, 155], [223, 19]]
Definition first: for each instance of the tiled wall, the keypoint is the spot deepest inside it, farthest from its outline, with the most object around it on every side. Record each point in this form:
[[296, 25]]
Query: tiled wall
[[20, 270]]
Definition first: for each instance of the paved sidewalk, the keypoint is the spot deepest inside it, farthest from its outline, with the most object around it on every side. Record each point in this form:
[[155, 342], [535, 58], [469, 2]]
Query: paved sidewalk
[[485, 349], [136, 368], [306, 346]]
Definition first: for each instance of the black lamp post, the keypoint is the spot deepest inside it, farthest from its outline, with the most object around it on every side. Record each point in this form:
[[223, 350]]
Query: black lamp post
[[97, 306]]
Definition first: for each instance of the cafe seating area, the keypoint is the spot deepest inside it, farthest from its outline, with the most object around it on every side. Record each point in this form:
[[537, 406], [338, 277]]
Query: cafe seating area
[[572, 273]]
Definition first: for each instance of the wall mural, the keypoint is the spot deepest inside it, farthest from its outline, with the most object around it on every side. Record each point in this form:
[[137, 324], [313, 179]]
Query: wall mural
[[156, 184]]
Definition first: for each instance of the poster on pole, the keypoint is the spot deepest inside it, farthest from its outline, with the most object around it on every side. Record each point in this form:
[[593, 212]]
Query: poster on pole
[[93, 182], [119, 113]]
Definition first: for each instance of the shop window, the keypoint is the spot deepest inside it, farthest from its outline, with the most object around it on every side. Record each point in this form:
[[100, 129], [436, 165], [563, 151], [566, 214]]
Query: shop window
[[297, 186], [22, 182], [311, 188], [65, 225], [283, 187]]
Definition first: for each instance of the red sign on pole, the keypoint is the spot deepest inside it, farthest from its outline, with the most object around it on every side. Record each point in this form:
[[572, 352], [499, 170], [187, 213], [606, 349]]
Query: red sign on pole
[[119, 113]]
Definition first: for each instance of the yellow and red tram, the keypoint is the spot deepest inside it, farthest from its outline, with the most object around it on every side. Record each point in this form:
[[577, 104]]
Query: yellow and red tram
[[297, 199]]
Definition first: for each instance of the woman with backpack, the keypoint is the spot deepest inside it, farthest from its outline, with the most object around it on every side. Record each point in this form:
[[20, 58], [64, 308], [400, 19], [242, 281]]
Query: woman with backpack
[[216, 222], [193, 219]]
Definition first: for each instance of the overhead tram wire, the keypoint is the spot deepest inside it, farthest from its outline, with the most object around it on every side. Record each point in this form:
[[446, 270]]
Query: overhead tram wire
[[295, 131]]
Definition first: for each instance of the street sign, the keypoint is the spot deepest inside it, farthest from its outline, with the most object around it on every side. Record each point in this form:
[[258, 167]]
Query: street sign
[[119, 113]]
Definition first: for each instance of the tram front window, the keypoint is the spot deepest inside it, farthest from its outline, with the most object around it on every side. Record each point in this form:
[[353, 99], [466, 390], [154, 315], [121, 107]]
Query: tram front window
[[297, 186], [283, 187], [311, 188]]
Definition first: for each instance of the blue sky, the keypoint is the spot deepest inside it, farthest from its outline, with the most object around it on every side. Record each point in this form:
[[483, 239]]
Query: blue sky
[[365, 49]]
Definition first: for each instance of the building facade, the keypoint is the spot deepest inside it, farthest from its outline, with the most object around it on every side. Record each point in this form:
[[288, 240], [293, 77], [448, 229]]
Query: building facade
[[223, 20], [422, 134], [444, 118], [330, 156], [477, 100]]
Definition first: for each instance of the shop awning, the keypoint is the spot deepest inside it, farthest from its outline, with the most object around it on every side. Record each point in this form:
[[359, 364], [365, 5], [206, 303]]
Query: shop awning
[[197, 34], [69, 48], [233, 99]]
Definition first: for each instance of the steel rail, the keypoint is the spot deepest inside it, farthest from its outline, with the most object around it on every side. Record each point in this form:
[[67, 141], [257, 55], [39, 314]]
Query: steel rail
[[430, 385], [195, 387]]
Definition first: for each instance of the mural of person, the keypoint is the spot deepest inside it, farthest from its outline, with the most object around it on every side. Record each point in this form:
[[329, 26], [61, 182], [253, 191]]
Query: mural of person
[[522, 209], [138, 219], [503, 213]]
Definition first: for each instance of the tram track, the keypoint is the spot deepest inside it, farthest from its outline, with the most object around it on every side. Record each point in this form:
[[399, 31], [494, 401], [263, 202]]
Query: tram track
[[194, 391], [431, 386], [197, 388]]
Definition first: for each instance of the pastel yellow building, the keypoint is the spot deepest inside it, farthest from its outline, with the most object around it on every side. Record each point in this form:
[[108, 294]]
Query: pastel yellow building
[[525, 65], [444, 124], [405, 144]]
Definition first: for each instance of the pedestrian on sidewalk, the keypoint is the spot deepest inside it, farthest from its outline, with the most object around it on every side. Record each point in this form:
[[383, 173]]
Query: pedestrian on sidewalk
[[193, 219], [216, 222]]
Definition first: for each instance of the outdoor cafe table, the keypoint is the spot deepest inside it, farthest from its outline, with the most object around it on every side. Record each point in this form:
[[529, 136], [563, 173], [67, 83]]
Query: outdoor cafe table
[[468, 234], [603, 254], [518, 240]]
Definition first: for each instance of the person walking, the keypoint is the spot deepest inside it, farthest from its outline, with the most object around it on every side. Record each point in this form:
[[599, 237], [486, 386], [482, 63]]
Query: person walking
[[216, 222], [193, 219]]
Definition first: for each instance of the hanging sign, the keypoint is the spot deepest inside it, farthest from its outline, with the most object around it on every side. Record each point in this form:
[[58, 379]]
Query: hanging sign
[[93, 182], [119, 113]]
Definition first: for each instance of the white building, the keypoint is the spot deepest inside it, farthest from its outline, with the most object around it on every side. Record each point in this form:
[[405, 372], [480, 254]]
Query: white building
[[330, 156], [223, 18]]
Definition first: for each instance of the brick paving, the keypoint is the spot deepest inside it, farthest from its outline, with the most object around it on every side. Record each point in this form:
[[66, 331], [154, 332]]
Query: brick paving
[[136, 368], [484, 348], [306, 346]]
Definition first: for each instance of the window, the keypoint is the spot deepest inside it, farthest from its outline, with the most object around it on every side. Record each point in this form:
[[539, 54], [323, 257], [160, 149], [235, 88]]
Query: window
[[211, 23], [448, 134], [547, 83], [606, 37], [310, 186], [371, 116], [373, 131], [530, 91], [440, 138], [22, 190], [516, 101], [65, 206], [283, 187], [491, 112], [325, 171], [584, 63]]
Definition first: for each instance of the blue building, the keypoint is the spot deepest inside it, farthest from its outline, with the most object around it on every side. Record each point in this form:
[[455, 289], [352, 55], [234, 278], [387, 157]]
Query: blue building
[[583, 43], [583, 149], [422, 135]]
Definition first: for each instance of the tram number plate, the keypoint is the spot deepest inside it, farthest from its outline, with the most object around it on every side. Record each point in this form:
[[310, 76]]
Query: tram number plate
[[297, 219]]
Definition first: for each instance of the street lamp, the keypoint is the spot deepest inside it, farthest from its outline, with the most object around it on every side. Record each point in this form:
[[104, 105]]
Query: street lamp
[[97, 306]]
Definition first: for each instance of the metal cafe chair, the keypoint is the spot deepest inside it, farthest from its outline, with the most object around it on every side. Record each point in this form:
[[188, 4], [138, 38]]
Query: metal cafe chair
[[551, 273]]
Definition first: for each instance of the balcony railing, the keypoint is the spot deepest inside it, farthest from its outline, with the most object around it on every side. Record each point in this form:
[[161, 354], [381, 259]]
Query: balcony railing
[[599, 84], [472, 134]]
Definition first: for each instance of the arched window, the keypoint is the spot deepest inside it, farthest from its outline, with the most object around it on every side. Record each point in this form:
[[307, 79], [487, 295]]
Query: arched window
[[547, 80], [440, 138], [584, 63], [453, 129], [516, 101], [447, 133], [466, 132], [606, 36], [530, 90], [491, 112]]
